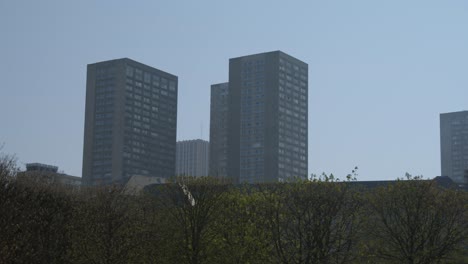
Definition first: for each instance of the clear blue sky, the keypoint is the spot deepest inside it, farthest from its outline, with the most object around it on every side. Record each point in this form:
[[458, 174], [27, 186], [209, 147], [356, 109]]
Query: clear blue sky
[[380, 72]]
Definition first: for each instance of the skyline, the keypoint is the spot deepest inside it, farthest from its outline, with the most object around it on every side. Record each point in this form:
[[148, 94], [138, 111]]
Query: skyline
[[379, 74]]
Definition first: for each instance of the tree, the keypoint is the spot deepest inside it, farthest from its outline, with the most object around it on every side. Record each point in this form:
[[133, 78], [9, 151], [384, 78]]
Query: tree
[[415, 221], [33, 219], [312, 221], [104, 227], [243, 237], [155, 232], [193, 205], [8, 167]]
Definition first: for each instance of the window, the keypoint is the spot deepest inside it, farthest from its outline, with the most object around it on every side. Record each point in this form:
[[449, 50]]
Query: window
[[138, 74], [172, 86], [129, 71], [147, 77], [156, 80]]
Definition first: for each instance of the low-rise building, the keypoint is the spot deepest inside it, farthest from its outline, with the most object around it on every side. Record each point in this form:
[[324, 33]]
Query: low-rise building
[[47, 174]]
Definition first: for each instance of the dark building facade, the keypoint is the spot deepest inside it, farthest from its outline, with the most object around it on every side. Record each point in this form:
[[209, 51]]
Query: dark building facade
[[192, 157], [218, 129], [47, 174], [130, 122], [268, 118], [454, 146]]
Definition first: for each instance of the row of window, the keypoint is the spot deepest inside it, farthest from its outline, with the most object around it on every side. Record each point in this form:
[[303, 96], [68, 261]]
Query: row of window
[[152, 112], [104, 108], [288, 153], [103, 81], [134, 92], [294, 161], [102, 122], [249, 88], [293, 128], [287, 111], [294, 72], [105, 72], [292, 138], [146, 77], [297, 103], [291, 65], [252, 163], [283, 169], [295, 90]]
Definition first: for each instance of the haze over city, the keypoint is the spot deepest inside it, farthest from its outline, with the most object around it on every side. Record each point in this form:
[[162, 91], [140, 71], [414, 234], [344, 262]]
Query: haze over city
[[379, 73]]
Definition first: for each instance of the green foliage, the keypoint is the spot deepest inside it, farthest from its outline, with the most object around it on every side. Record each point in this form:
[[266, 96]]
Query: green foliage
[[104, 227], [331, 178], [33, 223], [242, 237], [312, 222], [208, 220], [194, 204], [415, 221]]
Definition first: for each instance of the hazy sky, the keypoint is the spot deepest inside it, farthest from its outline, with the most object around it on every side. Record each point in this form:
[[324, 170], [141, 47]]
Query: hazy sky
[[380, 72]]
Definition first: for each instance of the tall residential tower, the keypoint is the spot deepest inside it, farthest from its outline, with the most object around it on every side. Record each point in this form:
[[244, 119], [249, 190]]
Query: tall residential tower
[[218, 129], [130, 122], [454, 146], [267, 119]]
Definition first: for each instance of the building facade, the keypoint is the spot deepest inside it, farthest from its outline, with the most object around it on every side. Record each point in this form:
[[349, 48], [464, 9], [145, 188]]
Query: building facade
[[192, 157], [268, 118], [130, 122], [218, 129], [47, 174], [454, 146]]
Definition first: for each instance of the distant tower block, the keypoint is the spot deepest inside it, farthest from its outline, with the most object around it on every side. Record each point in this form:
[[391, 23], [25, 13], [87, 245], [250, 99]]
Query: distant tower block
[[130, 122], [267, 118], [454, 146]]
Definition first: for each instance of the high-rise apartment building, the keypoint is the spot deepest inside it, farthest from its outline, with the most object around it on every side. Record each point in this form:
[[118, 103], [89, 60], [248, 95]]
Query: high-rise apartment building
[[192, 157], [130, 122], [454, 146], [218, 129], [268, 119]]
